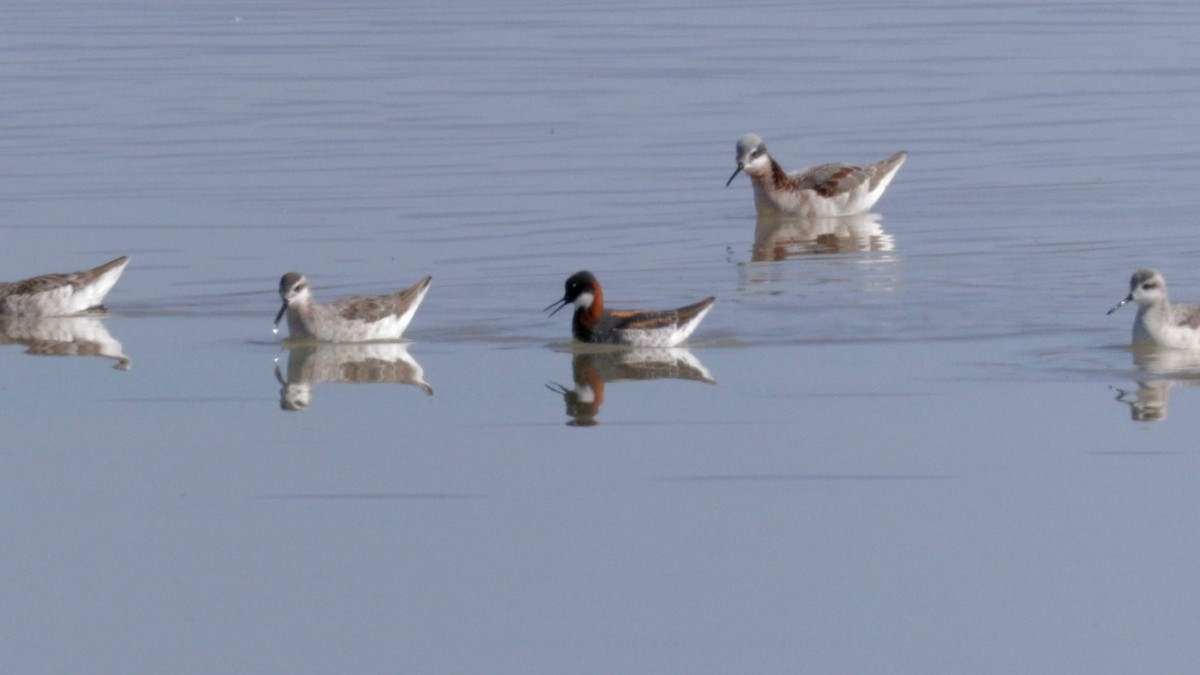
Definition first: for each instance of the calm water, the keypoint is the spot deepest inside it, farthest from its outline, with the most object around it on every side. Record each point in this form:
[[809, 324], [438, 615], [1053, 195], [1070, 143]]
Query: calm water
[[913, 444]]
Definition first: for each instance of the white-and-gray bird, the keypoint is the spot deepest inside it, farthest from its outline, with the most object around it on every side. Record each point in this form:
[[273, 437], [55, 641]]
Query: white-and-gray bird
[[355, 319], [61, 294], [1160, 322], [825, 190]]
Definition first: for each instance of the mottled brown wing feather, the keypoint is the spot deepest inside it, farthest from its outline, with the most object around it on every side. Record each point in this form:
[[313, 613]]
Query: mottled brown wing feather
[[880, 169], [406, 296], [49, 282], [636, 320], [375, 308], [363, 309], [648, 320], [46, 282], [831, 179], [1190, 316]]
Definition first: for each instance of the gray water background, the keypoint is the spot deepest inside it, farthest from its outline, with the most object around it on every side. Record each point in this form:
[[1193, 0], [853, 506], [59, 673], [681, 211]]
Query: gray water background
[[912, 459]]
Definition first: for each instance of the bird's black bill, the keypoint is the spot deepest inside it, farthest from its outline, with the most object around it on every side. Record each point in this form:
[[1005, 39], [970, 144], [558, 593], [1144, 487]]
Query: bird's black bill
[[1117, 306], [280, 314], [560, 304], [735, 173]]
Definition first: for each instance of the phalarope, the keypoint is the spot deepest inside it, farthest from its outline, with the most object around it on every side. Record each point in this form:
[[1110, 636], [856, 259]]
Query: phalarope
[[825, 190], [596, 324], [356, 319], [1158, 321], [61, 294]]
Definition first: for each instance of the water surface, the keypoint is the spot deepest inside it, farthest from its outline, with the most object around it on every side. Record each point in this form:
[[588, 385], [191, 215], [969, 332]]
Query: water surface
[[923, 448]]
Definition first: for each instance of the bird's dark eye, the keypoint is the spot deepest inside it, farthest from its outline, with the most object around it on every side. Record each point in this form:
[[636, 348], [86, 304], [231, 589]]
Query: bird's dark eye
[[1149, 285], [756, 154]]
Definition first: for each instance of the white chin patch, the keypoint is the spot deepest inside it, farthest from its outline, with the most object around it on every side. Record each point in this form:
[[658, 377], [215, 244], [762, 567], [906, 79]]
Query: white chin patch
[[757, 165], [585, 300]]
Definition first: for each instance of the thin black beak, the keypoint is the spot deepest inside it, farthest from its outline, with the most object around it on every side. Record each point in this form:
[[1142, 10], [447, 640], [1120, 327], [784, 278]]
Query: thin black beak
[[1128, 298], [561, 303], [280, 314], [735, 173]]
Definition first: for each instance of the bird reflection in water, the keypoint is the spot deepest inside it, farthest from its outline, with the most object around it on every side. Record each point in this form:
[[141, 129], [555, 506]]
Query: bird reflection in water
[[780, 236], [1160, 371], [595, 366], [363, 363], [63, 336]]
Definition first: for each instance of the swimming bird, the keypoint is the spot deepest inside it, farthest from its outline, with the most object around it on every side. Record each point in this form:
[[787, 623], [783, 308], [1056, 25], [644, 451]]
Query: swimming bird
[[1158, 321], [594, 323], [61, 294], [825, 190], [355, 319]]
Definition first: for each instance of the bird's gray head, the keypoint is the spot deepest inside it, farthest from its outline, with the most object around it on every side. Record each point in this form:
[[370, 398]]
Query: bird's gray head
[[1146, 287], [748, 144], [751, 157], [293, 285]]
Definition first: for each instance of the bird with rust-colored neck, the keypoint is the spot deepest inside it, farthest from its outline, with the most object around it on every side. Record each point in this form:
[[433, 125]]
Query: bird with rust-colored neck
[[355, 319], [1159, 322], [61, 294], [595, 323], [825, 190]]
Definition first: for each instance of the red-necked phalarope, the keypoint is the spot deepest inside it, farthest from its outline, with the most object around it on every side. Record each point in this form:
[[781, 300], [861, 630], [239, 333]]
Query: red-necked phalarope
[[593, 323], [356, 319], [1159, 322], [825, 190], [61, 294]]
